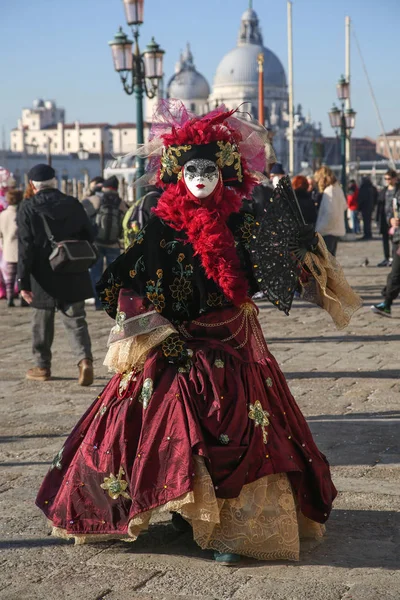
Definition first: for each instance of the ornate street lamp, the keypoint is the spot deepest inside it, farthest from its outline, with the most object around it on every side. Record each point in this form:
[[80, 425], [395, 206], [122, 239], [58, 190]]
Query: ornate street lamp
[[134, 10], [140, 73], [335, 117], [343, 121], [343, 89]]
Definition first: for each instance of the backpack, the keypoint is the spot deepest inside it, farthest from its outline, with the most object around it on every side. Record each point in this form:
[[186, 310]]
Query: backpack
[[109, 220]]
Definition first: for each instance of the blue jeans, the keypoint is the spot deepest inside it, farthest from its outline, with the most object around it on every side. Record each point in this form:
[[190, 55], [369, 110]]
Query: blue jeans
[[109, 254], [355, 223]]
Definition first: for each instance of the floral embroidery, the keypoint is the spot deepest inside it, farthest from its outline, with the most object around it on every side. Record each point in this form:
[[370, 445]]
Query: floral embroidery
[[224, 439], [139, 267], [181, 288], [172, 346], [109, 297], [229, 156], [119, 322], [154, 292], [116, 486], [247, 230], [169, 162], [215, 299], [260, 417], [125, 380], [219, 363], [138, 238], [268, 381], [56, 464], [168, 246], [101, 411], [146, 393]]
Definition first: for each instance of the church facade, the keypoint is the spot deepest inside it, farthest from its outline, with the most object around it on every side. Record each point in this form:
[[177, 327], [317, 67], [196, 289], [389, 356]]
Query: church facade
[[236, 83]]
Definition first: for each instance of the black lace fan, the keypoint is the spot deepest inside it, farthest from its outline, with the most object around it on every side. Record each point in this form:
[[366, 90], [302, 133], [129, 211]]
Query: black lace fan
[[276, 251]]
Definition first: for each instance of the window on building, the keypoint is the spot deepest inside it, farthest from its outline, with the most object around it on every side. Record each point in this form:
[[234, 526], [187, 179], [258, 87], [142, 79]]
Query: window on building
[[94, 145], [55, 146], [68, 145], [391, 143], [125, 133], [192, 107], [94, 133], [68, 134], [15, 146]]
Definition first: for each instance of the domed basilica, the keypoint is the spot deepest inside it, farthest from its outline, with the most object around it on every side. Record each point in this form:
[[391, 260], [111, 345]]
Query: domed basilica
[[236, 83]]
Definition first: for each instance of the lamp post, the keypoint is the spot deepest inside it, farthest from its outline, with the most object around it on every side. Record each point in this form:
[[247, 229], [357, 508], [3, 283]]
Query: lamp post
[[344, 121], [140, 73]]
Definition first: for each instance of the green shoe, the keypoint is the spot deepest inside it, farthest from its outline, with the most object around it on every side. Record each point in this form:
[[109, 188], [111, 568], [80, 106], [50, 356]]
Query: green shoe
[[381, 309], [226, 558]]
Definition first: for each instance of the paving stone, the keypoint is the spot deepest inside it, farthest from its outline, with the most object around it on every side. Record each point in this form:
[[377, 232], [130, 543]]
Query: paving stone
[[347, 385]]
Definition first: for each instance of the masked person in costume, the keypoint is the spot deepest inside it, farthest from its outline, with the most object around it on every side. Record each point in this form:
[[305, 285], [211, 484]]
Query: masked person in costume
[[198, 418]]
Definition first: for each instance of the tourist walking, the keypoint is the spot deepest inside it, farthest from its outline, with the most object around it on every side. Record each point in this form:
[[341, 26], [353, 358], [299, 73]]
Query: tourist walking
[[352, 205], [330, 220], [387, 195], [276, 173], [305, 198], [198, 418], [366, 201], [44, 289], [139, 213], [106, 211], [9, 242], [392, 288]]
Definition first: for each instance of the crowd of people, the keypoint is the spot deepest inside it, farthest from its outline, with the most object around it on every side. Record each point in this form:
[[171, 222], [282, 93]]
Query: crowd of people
[[113, 226]]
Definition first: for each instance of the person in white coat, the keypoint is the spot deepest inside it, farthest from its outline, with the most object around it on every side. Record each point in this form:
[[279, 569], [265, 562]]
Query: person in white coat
[[330, 221], [9, 242]]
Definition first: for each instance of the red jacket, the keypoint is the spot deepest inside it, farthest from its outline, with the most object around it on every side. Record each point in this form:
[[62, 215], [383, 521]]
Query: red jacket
[[352, 200]]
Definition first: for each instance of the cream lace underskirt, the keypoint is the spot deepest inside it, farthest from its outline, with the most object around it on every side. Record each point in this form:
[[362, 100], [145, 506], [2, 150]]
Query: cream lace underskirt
[[330, 289], [132, 352], [263, 522]]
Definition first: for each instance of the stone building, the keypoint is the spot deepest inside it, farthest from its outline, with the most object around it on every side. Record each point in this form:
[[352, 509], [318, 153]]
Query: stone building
[[393, 139], [42, 129]]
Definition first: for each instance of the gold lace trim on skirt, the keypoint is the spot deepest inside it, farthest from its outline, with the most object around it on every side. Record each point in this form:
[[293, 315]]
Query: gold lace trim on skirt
[[263, 522]]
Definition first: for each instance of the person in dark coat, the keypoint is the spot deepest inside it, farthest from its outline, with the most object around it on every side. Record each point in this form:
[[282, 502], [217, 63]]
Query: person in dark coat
[[260, 198], [386, 196], [40, 286], [305, 198], [366, 201]]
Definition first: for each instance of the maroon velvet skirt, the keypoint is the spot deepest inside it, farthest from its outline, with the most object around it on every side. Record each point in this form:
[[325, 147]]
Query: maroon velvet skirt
[[214, 391]]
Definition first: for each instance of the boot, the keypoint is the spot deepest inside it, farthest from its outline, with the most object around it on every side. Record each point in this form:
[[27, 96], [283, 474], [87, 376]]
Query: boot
[[85, 372], [10, 302], [38, 374]]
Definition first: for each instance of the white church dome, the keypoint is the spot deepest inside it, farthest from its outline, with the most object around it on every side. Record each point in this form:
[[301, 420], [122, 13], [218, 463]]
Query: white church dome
[[187, 83], [240, 66]]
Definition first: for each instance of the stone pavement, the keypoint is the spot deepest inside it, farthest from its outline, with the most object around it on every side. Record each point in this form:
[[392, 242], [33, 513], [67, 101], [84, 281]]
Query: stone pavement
[[346, 383]]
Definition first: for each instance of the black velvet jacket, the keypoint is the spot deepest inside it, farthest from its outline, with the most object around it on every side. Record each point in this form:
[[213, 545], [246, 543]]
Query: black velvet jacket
[[160, 267]]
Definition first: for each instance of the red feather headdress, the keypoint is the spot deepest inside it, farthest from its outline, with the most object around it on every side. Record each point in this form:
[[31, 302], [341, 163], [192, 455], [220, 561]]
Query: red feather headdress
[[238, 148]]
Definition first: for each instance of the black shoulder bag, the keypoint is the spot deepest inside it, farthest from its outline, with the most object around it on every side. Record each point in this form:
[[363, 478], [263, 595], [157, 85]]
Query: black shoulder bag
[[70, 256]]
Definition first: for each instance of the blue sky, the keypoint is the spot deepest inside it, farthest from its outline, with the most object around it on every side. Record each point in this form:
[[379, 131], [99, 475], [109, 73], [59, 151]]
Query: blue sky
[[57, 49]]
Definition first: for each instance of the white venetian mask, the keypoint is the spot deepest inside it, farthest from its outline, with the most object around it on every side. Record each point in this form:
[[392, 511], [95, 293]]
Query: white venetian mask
[[201, 177]]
